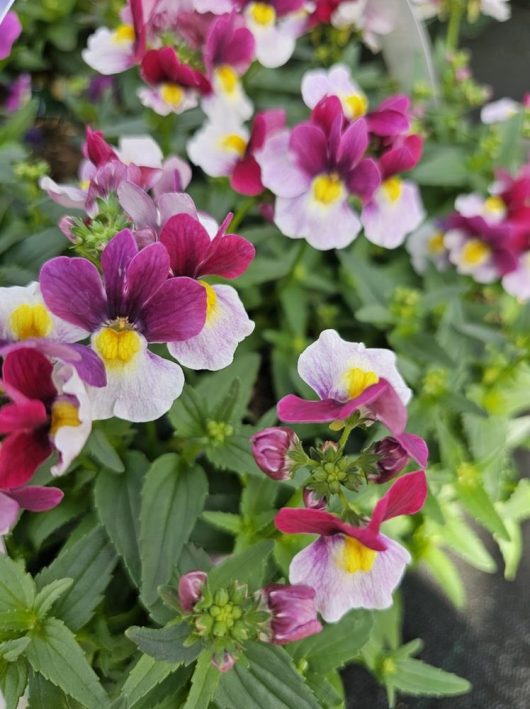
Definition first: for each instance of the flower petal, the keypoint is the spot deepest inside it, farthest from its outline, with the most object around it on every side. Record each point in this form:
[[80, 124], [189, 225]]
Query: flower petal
[[9, 509], [187, 243], [20, 456], [146, 274], [176, 312], [115, 260], [406, 497], [30, 373], [37, 499]]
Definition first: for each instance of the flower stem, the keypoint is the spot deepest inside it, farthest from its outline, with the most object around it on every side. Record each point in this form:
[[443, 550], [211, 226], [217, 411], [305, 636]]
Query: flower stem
[[453, 28], [242, 212]]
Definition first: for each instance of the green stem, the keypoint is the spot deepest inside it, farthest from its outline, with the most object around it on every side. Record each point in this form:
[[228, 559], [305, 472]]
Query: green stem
[[242, 212], [453, 28]]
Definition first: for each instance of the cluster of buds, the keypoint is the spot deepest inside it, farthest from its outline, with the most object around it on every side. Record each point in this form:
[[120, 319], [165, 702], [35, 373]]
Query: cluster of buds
[[225, 619]]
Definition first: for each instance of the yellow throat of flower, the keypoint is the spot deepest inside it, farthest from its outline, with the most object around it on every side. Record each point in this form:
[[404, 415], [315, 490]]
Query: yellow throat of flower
[[211, 300], [234, 143], [358, 380], [495, 206], [29, 321], [117, 345], [327, 189], [356, 105], [64, 413], [173, 94], [262, 14], [393, 189], [354, 556], [436, 243], [123, 33], [475, 253], [227, 78]]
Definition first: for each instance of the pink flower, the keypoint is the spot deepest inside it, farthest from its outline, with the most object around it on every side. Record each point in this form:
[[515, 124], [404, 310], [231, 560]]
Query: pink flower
[[293, 612], [190, 589], [10, 31], [19, 93], [270, 449], [394, 453], [33, 499], [353, 567]]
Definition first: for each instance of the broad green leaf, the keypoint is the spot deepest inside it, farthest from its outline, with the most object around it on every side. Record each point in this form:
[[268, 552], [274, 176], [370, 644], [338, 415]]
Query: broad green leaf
[[324, 691], [165, 644], [204, 682], [118, 500], [90, 562], [258, 496], [13, 682], [215, 387], [145, 676], [442, 165], [246, 566], [99, 447], [477, 502], [336, 644], [235, 454], [47, 596], [55, 654], [446, 574], [517, 507], [417, 678], [45, 694], [172, 500], [270, 680], [17, 589]]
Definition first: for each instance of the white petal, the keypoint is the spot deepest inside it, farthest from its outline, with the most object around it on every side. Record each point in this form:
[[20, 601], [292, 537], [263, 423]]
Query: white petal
[[107, 55], [279, 171], [387, 223], [152, 98], [68, 196], [140, 150], [69, 440], [208, 150], [517, 283], [274, 45]]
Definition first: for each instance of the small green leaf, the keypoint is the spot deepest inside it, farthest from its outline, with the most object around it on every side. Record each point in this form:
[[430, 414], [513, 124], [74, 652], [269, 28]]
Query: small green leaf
[[49, 594], [462, 539], [246, 567], [203, 683], [226, 521], [13, 682], [476, 501], [10, 650], [419, 679], [144, 676], [446, 574], [165, 644], [45, 694], [17, 588], [99, 447]]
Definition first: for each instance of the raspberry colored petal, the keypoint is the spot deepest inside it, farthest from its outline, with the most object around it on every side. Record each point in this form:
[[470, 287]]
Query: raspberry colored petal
[[98, 151], [115, 260], [364, 179], [309, 144], [246, 177], [20, 456], [387, 122], [229, 256], [37, 499], [10, 30], [227, 45], [187, 243], [403, 157], [406, 497], [29, 372], [353, 144], [265, 123], [137, 12], [147, 272], [22, 416], [9, 509], [415, 447], [388, 408], [176, 312], [326, 113], [72, 290]]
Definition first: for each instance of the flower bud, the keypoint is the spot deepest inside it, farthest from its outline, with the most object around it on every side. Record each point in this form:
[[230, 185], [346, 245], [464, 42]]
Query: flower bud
[[293, 612], [224, 662], [313, 500], [190, 589], [270, 449], [392, 459]]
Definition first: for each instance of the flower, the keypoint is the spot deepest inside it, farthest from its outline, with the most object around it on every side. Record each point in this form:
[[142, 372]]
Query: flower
[[48, 411], [190, 589], [174, 86], [372, 18], [394, 452], [314, 170], [353, 566], [10, 31], [19, 93], [426, 245], [336, 81], [194, 254], [31, 498], [132, 305], [275, 25], [270, 449], [517, 282], [499, 111], [348, 377], [293, 612]]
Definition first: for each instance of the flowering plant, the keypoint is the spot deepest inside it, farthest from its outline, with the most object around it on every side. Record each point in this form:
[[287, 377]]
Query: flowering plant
[[221, 450]]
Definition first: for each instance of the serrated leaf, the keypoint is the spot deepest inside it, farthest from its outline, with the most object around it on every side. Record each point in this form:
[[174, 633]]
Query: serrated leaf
[[13, 682], [118, 502], [90, 562], [419, 679], [511, 550], [172, 500], [462, 539], [235, 454], [270, 680], [204, 682], [17, 589], [10, 650], [336, 644], [324, 691], [187, 415], [150, 681], [45, 694], [226, 521], [99, 447], [246, 566], [47, 596], [477, 502], [165, 644], [55, 654]]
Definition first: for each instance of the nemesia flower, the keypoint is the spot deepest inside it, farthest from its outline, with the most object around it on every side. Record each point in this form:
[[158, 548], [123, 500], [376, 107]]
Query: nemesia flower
[[348, 377], [353, 566], [219, 145], [133, 304], [190, 589], [395, 452], [19, 93], [48, 411], [499, 111], [314, 170], [336, 81], [271, 448], [517, 282], [426, 245], [498, 9], [174, 87], [373, 18], [293, 612], [31, 498], [228, 52], [193, 253], [275, 24], [10, 31]]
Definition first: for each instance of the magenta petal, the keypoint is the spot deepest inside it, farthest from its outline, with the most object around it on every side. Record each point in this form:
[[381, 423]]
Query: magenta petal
[[309, 143], [265, 123], [389, 409], [353, 144], [229, 256], [364, 179], [285, 7], [146, 273], [415, 447], [246, 177], [190, 589], [327, 112], [8, 512], [72, 290], [402, 157], [187, 243], [22, 416], [115, 260], [387, 122], [37, 499], [226, 44], [97, 150], [30, 373], [406, 497], [10, 29], [20, 456], [176, 312]]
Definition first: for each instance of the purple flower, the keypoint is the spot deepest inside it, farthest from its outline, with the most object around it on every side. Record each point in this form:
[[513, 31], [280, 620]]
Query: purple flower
[[190, 589], [19, 93], [10, 30], [133, 304], [394, 453], [270, 449], [293, 612]]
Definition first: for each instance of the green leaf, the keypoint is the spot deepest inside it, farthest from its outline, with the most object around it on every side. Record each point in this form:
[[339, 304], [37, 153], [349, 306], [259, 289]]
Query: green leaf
[[246, 566], [118, 501], [55, 654], [443, 165], [17, 589], [49, 594], [446, 574], [203, 683], [90, 562], [269, 681], [235, 454], [13, 682], [165, 644], [226, 521], [172, 500], [10, 650], [462, 539], [216, 387], [419, 679], [517, 507], [99, 447], [336, 644], [45, 694], [324, 691], [150, 681], [477, 502], [511, 550]]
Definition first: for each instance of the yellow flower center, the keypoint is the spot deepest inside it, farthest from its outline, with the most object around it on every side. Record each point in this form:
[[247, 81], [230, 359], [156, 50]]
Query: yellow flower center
[[211, 299], [358, 380], [234, 143], [84, 184], [227, 78], [393, 188], [172, 94], [356, 105], [118, 345], [124, 33], [354, 556], [262, 14], [475, 253], [28, 321], [494, 205], [436, 243], [64, 413], [327, 189]]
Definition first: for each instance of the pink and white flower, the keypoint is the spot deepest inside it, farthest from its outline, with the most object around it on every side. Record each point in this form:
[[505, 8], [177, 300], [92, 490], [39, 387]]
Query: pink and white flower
[[336, 81], [373, 18], [275, 24], [219, 145], [517, 283], [426, 245], [348, 377], [353, 566]]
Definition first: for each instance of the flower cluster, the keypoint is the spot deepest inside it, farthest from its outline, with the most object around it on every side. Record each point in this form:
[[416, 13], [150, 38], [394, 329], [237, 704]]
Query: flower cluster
[[486, 237], [352, 564]]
